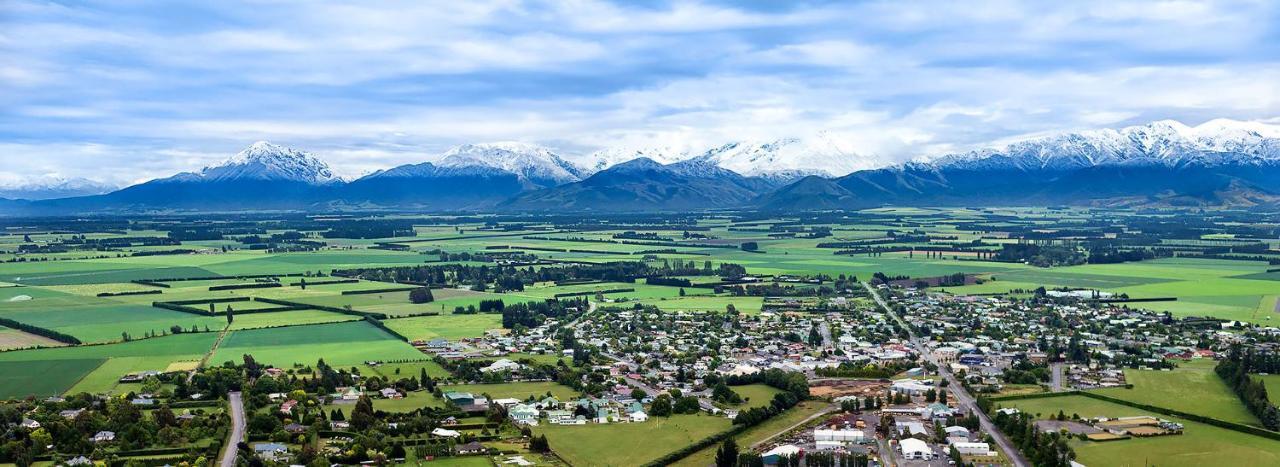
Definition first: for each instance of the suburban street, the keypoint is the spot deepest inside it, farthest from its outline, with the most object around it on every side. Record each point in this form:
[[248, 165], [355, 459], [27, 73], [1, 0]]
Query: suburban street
[[1056, 384], [954, 387], [237, 430]]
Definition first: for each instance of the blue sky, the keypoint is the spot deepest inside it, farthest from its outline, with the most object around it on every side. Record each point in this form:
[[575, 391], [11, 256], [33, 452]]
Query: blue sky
[[128, 90]]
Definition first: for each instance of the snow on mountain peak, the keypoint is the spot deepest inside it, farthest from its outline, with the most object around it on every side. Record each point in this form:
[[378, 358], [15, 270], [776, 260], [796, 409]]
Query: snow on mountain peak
[[1166, 142], [532, 163], [266, 161]]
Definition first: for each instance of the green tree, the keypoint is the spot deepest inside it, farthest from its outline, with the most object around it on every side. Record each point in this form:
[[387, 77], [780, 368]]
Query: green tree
[[727, 455]]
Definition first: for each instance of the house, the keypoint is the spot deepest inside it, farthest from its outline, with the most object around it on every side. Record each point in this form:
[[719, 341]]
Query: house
[[506, 402], [79, 460], [104, 437], [915, 449], [287, 407], [351, 394], [30, 424], [638, 417], [270, 451], [461, 399], [70, 414], [391, 393], [974, 449], [294, 428], [143, 401], [444, 433], [473, 447], [450, 421], [501, 365], [340, 425], [523, 414]]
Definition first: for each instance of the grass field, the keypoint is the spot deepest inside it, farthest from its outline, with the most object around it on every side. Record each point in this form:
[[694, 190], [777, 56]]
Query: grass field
[[757, 433], [1193, 387], [447, 326], [1273, 387], [601, 444], [1199, 445], [339, 344]]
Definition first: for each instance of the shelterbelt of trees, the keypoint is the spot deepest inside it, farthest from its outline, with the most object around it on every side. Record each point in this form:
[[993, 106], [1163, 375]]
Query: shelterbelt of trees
[[515, 278]]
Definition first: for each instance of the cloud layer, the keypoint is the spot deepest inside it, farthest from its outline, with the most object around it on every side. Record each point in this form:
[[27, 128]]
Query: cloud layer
[[124, 91]]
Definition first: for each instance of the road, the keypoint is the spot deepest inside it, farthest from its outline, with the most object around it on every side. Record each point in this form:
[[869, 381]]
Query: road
[[825, 410], [591, 308], [955, 388], [1056, 384], [825, 331], [237, 430]]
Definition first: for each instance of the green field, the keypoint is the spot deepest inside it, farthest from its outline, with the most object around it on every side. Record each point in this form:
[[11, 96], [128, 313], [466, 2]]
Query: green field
[[449, 326], [339, 344], [758, 433], [43, 377], [600, 444], [113, 360], [1199, 444], [1193, 387]]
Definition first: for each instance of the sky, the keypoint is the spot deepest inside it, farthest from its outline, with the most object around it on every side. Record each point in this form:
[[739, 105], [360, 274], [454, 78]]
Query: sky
[[129, 90]]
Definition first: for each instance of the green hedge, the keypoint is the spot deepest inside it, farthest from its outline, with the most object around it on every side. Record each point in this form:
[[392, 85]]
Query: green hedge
[[374, 291]]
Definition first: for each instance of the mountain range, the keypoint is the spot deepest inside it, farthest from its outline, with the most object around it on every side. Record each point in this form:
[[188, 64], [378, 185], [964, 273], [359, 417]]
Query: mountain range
[[1164, 163]]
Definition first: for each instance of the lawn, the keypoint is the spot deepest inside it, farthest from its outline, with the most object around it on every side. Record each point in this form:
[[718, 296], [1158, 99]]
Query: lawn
[[1199, 444], [339, 344], [1273, 387], [413, 401], [626, 444], [1193, 387]]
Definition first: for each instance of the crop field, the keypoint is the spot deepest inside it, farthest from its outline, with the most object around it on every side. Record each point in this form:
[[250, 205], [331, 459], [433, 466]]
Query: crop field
[[14, 339], [111, 361], [599, 444], [1199, 444], [43, 377], [339, 344]]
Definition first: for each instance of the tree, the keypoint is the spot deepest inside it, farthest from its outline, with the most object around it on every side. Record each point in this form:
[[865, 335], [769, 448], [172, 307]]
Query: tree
[[750, 246], [230, 316], [362, 414], [421, 295], [638, 394], [727, 455], [661, 406]]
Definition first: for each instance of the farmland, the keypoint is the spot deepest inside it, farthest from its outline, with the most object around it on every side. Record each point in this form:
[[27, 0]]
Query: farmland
[[603, 304]]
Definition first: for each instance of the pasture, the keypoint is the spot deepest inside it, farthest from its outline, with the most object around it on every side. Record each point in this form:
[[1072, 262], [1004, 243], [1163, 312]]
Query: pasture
[[1199, 444], [1193, 387], [599, 444], [339, 344]]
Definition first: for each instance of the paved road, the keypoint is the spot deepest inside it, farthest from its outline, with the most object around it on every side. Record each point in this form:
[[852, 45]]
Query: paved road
[[1056, 384], [825, 330], [237, 430], [955, 388]]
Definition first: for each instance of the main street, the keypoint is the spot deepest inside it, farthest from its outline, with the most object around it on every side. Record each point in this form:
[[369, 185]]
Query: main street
[[954, 387]]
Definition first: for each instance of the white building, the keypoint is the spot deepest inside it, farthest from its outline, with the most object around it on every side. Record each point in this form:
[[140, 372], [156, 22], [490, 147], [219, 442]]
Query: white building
[[974, 449], [844, 436], [915, 449]]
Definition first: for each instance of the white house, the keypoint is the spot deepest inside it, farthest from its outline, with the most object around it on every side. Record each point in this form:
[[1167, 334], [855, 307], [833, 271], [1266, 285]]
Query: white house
[[915, 449], [638, 417], [501, 365]]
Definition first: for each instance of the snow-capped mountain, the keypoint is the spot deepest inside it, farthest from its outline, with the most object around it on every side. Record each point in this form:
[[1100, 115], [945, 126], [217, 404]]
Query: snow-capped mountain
[[611, 156], [265, 161], [1166, 142], [785, 158], [1164, 162], [535, 165], [51, 186]]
